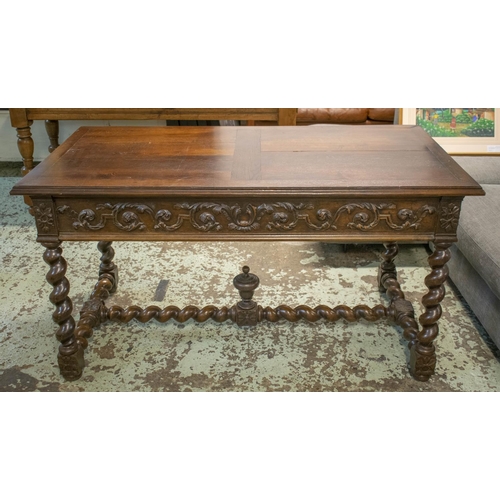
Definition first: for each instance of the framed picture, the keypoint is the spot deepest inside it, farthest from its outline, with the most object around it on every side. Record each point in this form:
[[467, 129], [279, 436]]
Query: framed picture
[[459, 131]]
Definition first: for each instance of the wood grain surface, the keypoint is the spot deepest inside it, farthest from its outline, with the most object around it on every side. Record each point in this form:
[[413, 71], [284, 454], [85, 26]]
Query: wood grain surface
[[379, 161]]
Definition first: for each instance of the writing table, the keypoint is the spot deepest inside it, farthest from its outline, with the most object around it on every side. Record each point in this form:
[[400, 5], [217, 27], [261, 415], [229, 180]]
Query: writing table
[[339, 184]]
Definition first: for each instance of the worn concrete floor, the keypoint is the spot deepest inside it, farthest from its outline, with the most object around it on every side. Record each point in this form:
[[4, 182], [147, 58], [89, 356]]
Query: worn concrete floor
[[222, 357]]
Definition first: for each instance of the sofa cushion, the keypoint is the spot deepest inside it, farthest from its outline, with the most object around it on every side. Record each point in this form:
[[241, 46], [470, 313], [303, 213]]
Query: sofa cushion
[[381, 114], [484, 303], [479, 237], [332, 115], [484, 169]]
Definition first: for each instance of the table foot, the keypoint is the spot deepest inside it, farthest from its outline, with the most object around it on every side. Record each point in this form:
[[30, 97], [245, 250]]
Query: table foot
[[71, 365], [422, 362]]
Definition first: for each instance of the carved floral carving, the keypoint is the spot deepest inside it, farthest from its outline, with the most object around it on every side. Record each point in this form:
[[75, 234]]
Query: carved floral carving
[[247, 317], [44, 217], [280, 216], [449, 217]]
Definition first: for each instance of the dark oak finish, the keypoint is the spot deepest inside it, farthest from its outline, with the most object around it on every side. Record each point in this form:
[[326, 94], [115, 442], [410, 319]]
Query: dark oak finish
[[335, 183]]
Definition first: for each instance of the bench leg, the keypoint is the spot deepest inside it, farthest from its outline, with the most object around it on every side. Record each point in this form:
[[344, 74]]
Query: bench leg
[[70, 357], [423, 352], [26, 147], [52, 128]]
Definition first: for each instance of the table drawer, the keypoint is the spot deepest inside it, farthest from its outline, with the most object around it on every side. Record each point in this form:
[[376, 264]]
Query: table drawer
[[238, 218]]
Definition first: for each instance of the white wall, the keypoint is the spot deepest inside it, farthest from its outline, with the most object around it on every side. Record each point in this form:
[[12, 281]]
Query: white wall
[[8, 135]]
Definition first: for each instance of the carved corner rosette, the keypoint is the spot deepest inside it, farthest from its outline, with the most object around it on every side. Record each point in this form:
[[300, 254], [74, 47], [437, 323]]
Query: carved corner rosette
[[248, 317], [45, 219], [449, 214]]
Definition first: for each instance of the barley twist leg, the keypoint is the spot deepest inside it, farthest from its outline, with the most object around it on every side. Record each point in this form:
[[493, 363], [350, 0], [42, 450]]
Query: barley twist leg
[[387, 268], [70, 357], [108, 269], [94, 311], [423, 353], [400, 309]]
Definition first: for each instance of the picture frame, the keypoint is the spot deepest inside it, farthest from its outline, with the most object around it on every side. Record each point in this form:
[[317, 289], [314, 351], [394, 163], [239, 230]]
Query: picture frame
[[459, 131]]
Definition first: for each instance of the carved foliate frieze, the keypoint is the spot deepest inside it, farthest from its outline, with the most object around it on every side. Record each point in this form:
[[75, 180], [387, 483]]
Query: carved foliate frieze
[[125, 216], [265, 217], [371, 214]]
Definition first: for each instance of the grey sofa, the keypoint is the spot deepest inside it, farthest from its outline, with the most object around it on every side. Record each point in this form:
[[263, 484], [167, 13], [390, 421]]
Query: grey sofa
[[475, 263]]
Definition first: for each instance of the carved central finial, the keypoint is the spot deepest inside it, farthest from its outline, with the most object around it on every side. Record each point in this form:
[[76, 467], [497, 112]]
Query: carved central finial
[[246, 309], [246, 283]]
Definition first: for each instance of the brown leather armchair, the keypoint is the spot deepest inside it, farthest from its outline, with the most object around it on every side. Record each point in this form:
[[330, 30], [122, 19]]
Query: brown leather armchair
[[369, 116]]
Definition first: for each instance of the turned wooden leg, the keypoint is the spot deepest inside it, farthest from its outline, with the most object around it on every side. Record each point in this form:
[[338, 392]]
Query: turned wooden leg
[[52, 128], [423, 353], [70, 357], [26, 147], [107, 268]]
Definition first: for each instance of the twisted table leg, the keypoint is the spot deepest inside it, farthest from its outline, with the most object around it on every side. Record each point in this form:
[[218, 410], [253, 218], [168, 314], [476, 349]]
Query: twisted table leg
[[387, 268], [423, 354], [108, 269], [400, 309], [94, 311], [70, 357]]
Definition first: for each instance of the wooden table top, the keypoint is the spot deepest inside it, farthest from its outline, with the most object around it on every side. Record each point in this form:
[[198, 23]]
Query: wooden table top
[[394, 160]]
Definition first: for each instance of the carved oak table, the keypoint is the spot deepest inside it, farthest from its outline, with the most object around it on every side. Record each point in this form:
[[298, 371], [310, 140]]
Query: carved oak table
[[342, 184]]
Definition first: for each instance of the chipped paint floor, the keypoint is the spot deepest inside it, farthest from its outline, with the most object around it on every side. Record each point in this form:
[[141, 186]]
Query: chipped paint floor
[[209, 356]]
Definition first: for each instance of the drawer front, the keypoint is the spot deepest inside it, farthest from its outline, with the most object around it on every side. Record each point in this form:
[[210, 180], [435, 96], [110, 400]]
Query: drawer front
[[250, 218]]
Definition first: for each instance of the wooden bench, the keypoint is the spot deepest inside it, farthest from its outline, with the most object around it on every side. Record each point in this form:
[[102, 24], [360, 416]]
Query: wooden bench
[[22, 119]]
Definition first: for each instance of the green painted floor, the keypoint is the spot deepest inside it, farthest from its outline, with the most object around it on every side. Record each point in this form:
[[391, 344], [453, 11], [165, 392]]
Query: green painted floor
[[222, 357]]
